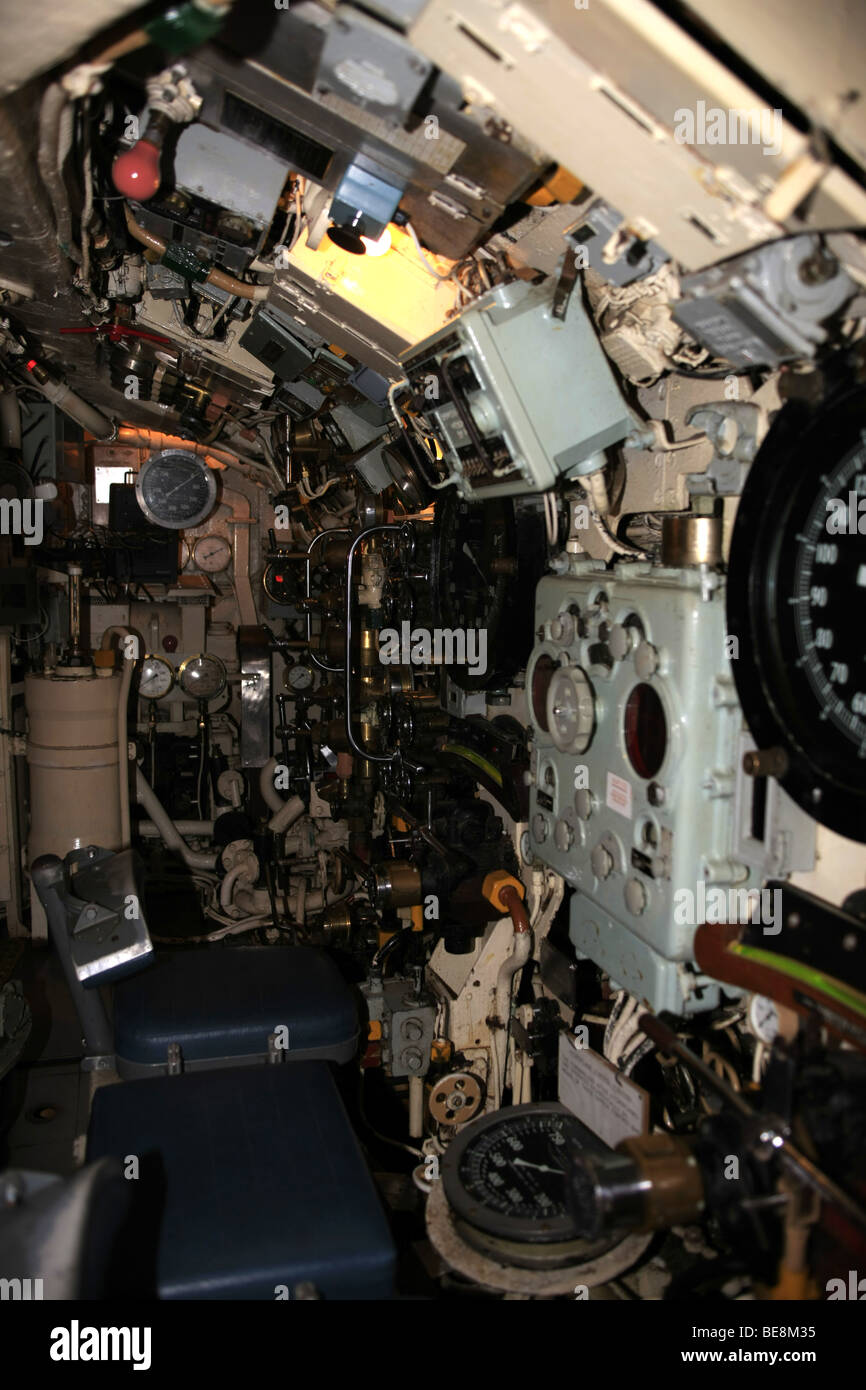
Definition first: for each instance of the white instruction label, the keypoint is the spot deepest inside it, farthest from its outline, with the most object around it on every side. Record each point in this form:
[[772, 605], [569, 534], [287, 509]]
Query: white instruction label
[[619, 794], [607, 1102]]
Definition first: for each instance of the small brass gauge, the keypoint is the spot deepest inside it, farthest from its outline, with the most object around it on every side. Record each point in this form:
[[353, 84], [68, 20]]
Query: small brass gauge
[[202, 677], [299, 677], [157, 677]]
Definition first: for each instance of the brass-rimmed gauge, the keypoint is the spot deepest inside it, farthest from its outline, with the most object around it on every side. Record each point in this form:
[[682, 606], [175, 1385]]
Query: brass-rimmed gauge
[[202, 677], [157, 677], [281, 583], [299, 677], [212, 554]]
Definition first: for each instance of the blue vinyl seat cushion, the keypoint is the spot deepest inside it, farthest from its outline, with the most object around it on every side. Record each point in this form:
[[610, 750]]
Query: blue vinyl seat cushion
[[222, 1004], [253, 1179]]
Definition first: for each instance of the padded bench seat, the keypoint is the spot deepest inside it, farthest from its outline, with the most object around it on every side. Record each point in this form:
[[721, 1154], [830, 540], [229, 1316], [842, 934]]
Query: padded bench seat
[[261, 1183], [220, 1006]]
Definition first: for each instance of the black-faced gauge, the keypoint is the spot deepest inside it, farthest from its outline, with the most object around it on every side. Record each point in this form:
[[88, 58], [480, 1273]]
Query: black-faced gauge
[[506, 1178], [176, 489], [486, 560], [797, 605], [202, 677], [156, 679], [280, 583], [212, 554]]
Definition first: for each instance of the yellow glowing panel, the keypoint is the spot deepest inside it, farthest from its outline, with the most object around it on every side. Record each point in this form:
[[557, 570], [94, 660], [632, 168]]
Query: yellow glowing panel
[[395, 289]]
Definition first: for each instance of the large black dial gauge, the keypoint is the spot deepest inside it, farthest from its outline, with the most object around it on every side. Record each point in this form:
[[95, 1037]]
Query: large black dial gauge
[[506, 1180], [176, 489], [797, 605], [486, 560]]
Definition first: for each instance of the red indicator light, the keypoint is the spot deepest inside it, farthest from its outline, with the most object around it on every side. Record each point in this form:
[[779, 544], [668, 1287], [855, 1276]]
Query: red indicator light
[[31, 364], [136, 171]]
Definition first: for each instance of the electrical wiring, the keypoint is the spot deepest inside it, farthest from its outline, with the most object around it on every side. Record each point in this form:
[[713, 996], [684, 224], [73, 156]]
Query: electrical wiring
[[231, 301], [319, 492], [215, 318], [237, 928], [551, 517], [272, 469], [392, 394], [428, 265], [87, 209], [396, 386], [36, 636], [294, 216], [670, 446]]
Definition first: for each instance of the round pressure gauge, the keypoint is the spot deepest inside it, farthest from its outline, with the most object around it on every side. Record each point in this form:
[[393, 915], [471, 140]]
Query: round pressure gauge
[[763, 1016], [506, 1178], [299, 677], [485, 563], [797, 599], [202, 677], [176, 489], [280, 583], [156, 679], [212, 554]]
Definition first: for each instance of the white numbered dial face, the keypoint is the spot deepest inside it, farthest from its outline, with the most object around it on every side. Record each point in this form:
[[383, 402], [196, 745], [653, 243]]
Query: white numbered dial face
[[763, 1017], [212, 554], [157, 678], [202, 677], [300, 677]]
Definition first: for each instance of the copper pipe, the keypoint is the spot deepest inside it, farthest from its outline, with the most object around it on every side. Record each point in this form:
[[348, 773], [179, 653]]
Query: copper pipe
[[219, 278], [513, 904]]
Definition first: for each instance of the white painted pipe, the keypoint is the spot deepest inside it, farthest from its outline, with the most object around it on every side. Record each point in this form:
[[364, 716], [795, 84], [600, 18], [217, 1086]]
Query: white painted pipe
[[270, 795], [122, 740], [416, 1107], [147, 798], [240, 871], [149, 831], [288, 813], [79, 410]]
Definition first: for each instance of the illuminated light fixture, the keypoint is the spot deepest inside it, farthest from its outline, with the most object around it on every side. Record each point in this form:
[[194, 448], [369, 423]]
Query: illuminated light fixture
[[396, 294], [347, 239], [380, 246], [361, 209]]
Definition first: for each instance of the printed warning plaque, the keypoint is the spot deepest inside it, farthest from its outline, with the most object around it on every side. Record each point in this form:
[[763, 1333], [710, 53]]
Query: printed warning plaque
[[608, 1103]]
